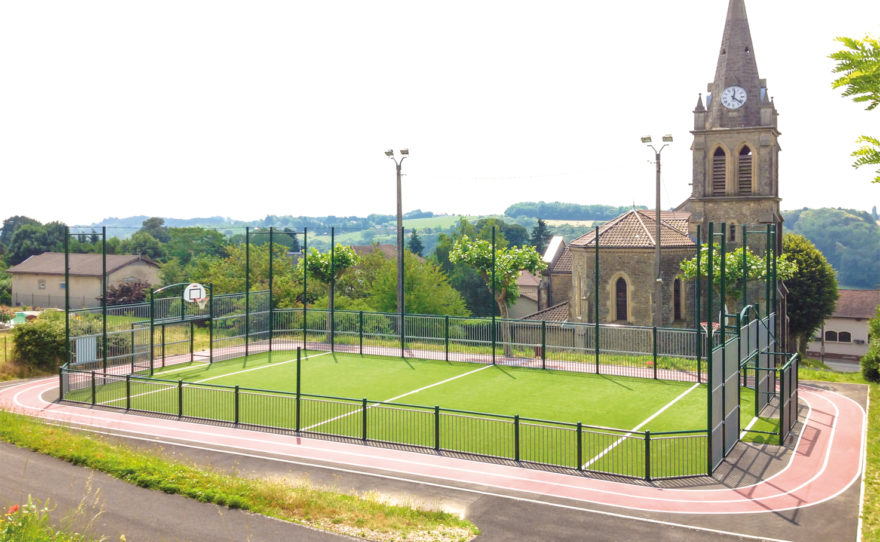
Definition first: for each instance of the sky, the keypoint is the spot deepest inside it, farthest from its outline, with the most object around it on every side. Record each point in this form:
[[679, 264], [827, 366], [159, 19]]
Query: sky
[[245, 109]]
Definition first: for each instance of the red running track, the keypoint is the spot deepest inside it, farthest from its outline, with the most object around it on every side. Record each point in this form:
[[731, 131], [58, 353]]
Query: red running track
[[827, 459]]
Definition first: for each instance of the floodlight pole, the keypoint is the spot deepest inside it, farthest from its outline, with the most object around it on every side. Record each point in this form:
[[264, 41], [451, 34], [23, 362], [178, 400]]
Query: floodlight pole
[[658, 280], [404, 153]]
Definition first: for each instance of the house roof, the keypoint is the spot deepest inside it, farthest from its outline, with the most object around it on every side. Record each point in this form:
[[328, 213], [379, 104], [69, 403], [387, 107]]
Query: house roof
[[857, 304], [525, 278], [636, 229], [557, 256], [89, 265], [389, 250], [556, 313]]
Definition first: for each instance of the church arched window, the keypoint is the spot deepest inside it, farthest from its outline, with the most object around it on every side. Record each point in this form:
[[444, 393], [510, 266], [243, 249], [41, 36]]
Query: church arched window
[[744, 171], [620, 298], [719, 172]]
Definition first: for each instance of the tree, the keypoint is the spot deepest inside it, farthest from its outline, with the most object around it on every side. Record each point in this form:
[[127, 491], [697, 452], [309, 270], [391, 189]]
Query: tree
[[541, 236], [812, 288], [11, 225], [426, 287], [155, 226], [144, 244], [328, 267], [127, 293], [415, 244], [32, 239], [227, 275], [871, 360], [508, 262], [859, 64], [735, 279]]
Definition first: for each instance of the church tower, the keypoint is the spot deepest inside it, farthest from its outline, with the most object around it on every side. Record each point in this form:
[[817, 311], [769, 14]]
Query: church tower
[[735, 148]]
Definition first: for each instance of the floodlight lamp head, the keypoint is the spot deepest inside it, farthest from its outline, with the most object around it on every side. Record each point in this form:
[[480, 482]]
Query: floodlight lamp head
[[667, 138], [389, 153], [646, 140], [404, 152]]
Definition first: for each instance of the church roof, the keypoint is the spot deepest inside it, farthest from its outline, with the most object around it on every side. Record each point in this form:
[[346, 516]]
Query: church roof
[[557, 256], [636, 229], [556, 313]]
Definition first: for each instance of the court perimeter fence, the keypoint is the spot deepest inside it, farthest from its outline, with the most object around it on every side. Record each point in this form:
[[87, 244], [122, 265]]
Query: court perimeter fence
[[108, 368]]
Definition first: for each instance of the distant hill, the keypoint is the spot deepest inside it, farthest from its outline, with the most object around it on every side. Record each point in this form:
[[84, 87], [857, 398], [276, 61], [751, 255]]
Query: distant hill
[[566, 211]]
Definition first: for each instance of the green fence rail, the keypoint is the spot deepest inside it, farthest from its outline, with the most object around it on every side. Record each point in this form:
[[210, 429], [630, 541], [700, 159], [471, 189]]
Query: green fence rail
[[530, 442]]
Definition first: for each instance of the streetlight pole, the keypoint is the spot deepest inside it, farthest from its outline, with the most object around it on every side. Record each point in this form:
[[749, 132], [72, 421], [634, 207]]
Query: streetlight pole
[[404, 153], [658, 280]]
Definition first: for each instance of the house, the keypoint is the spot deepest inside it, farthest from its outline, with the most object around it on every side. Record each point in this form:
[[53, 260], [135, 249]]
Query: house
[[527, 302], [844, 335], [39, 280]]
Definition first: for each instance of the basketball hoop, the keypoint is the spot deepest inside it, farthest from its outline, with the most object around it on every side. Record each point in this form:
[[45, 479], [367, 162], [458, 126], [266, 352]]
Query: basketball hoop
[[196, 293]]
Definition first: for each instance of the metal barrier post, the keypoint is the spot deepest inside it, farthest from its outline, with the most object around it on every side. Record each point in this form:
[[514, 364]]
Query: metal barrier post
[[128, 392], [543, 344], [580, 447], [60, 379], [648, 456], [437, 427], [93, 388], [298, 386], [364, 416], [236, 404], [446, 335], [654, 341], [516, 437], [361, 331], [180, 398]]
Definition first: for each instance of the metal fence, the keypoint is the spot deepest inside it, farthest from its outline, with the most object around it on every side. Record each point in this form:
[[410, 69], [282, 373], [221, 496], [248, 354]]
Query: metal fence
[[529, 442]]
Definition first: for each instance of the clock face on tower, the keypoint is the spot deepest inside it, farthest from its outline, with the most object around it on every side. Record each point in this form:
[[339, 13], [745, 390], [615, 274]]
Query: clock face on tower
[[733, 97]]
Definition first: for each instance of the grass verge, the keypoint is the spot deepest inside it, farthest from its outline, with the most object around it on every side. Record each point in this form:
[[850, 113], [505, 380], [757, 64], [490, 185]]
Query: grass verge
[[815, 370], [362, 516]]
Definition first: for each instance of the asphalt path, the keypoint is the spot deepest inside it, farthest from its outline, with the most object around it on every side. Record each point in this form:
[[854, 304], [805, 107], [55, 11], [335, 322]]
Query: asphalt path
[[502, 514]]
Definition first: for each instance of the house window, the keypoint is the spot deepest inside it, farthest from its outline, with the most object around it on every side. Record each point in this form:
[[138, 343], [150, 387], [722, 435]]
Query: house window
[[831, 336], [41, 284], [744, 172], [844, 337], [676, 299], [63, 285], [620, 289], [719, 172]]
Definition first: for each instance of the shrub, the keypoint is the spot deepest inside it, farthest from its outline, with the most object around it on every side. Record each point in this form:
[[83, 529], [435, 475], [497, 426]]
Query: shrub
[[871, 362], [39, 344], [6, 314]]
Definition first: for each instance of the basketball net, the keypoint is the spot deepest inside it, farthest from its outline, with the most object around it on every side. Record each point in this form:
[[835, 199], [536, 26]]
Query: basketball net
[[201, 302]]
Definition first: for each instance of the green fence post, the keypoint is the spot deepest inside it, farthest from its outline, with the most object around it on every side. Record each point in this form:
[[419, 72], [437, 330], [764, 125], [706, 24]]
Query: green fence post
[[94, 393], [298, 386], [596, 297], [494, 303], [180, 398], [446, 335], [781, 406], [236, 404], [580, 447], [163, 345], [330, 299], [60, 379], [103, 296], [271, 284], [128, 392], [648, 456], [516, 437], [697, 336], [364, 421], [437, 427], [543, 344], [361, 331], [655, 351], [192, 342], [152, 333], [211, 323], [305, 252]]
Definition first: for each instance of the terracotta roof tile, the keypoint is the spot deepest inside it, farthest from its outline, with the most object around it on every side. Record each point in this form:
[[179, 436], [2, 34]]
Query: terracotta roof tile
[[52, 263], [556, 313], [857, 304], [636, 229]]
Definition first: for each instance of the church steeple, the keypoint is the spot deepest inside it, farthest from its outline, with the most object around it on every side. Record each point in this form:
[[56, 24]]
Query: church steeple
[[736, 148], [737, 74]]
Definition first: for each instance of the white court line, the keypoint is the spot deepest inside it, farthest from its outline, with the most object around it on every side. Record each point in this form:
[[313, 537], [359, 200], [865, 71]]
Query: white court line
[[748, 427], [216, 377], [396, 398], [636, 428]]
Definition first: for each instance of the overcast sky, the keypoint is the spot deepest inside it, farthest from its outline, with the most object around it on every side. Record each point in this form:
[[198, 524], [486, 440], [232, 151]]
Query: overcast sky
[[243, 109]]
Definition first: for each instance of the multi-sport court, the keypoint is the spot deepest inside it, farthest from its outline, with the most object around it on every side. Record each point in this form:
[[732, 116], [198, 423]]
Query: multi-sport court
[[576, 420]]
